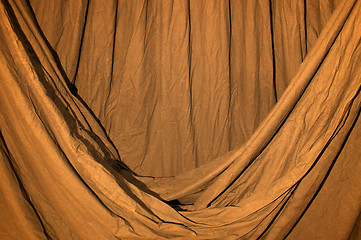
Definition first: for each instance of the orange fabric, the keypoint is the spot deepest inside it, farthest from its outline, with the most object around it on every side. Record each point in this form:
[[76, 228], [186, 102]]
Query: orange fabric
[[180, 119]]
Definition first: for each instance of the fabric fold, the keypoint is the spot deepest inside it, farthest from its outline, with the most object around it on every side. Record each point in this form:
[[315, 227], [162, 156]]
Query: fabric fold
[[80, 165]]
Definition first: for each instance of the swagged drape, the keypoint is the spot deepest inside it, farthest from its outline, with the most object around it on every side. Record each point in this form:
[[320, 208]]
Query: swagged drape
[[180, 119]]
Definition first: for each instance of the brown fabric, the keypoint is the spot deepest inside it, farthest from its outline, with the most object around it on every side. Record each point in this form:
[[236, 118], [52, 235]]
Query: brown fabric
[[178, 84], [245, 113]]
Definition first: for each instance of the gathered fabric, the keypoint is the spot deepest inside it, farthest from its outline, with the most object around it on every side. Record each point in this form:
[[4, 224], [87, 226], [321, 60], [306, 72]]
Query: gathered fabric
[[151, 119]]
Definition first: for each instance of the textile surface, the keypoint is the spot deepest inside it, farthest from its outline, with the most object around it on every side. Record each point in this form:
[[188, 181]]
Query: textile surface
[[181, 119]]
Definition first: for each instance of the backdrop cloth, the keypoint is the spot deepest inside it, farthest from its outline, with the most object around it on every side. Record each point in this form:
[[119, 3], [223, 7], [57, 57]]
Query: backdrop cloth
[[152, 119]]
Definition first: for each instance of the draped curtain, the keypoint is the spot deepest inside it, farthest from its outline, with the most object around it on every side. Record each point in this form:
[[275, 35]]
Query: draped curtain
[[182, 119], [179, 83]]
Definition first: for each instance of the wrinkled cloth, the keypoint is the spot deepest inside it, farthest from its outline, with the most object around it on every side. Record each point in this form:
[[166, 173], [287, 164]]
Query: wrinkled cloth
[[180, 119]]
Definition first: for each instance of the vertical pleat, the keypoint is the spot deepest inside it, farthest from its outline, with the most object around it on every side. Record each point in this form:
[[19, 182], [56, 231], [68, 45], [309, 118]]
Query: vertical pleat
[[252, 89], [210, 77], [289, 40]]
